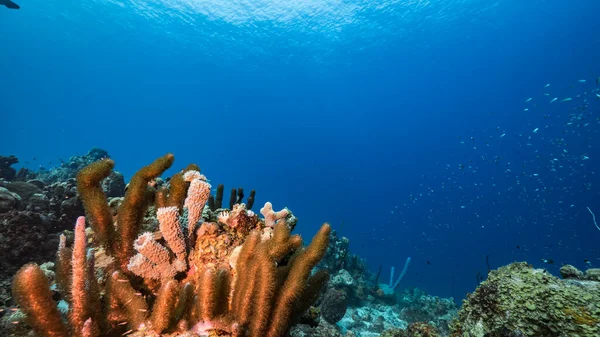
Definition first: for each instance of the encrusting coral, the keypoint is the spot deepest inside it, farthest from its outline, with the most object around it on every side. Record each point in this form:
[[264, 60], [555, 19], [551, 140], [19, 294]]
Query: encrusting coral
[[236, 276]]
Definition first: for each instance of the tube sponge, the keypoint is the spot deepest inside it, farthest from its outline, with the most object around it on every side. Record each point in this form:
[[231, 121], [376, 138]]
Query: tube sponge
[[94, 200], [395, 285], [163, 309], [197, 196], [132, 209], [168, 219], [124, 294], [31, 290], [79, 310], [151, 249], [295, 284]]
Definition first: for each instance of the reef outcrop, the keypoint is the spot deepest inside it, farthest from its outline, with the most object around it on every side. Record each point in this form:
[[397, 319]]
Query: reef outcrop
[[518, 300]]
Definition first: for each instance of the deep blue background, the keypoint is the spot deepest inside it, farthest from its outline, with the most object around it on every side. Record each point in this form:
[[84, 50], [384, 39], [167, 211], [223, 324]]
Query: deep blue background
[[342, 111]]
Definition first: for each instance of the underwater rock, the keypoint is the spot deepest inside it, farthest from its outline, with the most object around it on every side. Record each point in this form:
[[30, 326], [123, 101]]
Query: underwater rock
[[38, 203], [393, 333], [518, 299], [114, 185], [6, 171], [68, 169], [23, 189], [371, 320], [334, 305], [24, 238], [342, 279], [414, 330], [40, 184], [324, 329], [8, 200], [421, 329], [592, 274], [337, 256], [64, 206], [418, 306], [570, 272]]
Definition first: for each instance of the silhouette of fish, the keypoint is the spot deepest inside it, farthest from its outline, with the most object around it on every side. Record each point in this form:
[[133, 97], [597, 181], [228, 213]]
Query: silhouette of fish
[[9, 4]]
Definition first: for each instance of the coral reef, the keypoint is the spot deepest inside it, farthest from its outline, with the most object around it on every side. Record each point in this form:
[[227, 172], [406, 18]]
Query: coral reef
[[24, 237], [237, 276], [68, 169], [518, 300], [334, 305], [570, 272], [418, 306], [349, 272], [183, 240], [35, 207], [353, 289], [6, 171], [338, 254], [413, 330], [371, 319], [322, 329]]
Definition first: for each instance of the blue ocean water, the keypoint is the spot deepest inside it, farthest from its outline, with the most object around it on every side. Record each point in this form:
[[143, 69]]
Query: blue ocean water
[[403, 123]]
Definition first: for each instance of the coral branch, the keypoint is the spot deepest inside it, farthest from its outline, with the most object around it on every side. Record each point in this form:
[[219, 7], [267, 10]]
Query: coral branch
[[295, 284], [132, 209], [94, 200], [152, 250], [62, 267], [79, 299], [197, 197], [131, 300], [177, 191], [271, 217], [219, 198], [32, 291], [168, 219], [162, 313]]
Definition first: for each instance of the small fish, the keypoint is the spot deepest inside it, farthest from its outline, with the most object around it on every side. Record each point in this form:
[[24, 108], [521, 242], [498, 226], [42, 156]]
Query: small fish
[[518, 247], [547, 85], [535, 130], [567, 99], [554, 100], [529, 100], [548, 261], [588, 263], [581, 81], [598, 80], [428, 262], [502, 135]]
